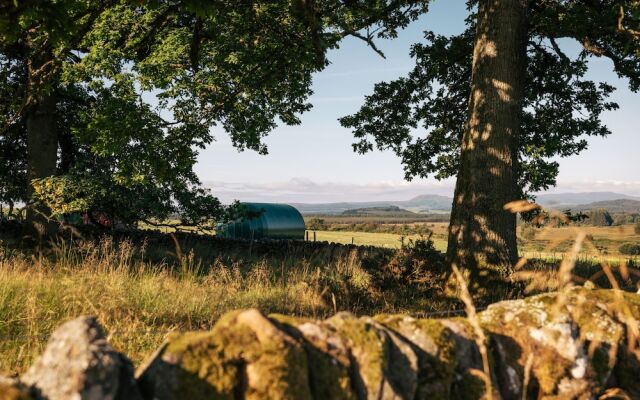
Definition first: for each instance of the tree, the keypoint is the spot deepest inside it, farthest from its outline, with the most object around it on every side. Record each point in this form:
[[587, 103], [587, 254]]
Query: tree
[[94, 65], [495, 104], [600, 217]]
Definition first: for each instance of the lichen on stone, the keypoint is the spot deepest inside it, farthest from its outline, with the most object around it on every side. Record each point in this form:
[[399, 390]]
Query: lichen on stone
[[245, 353]]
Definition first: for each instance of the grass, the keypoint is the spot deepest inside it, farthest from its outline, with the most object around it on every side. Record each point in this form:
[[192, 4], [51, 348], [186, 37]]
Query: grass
[[141, 292], [388, 240], [143, 286], [549, 243]]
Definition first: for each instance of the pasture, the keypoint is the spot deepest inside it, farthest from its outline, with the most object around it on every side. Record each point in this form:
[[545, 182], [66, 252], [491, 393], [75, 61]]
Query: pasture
[[548, 243], [146, 285]]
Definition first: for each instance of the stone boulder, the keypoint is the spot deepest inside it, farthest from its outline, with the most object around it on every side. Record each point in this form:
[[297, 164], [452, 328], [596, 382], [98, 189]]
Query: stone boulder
[[575, 345], [578, 344], [79, 364]]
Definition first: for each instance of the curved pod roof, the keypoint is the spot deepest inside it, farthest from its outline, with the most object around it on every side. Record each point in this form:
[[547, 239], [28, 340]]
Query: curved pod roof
[[276, 221]]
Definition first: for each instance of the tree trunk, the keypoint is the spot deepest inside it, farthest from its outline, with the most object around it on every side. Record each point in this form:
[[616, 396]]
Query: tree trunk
[[42, 151], [481, 230]]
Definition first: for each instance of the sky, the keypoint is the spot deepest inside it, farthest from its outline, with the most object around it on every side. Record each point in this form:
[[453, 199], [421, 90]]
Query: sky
[[314, 162]]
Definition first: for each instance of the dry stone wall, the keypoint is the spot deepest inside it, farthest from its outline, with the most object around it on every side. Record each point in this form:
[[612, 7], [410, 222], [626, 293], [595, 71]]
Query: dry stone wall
[[576, 345]]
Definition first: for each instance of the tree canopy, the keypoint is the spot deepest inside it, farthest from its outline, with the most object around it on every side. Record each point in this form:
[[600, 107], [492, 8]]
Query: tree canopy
[[494, 105], [139, 87], [422, 117]]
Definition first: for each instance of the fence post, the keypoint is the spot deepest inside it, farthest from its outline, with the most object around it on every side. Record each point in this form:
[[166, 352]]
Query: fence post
[[314, 236], [307, 232]]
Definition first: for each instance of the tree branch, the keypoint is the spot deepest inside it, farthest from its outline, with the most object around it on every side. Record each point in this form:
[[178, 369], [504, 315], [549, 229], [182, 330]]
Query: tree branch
[[369, 40], [558, 51]]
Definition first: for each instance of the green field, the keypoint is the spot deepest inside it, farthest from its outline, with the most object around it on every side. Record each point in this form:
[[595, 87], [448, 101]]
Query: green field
[[388, 240], [546, 243]]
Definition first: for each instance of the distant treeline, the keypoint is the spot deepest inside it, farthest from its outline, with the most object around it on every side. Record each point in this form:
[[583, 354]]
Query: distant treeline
[[319, 224], [602, 217], [377, 219]]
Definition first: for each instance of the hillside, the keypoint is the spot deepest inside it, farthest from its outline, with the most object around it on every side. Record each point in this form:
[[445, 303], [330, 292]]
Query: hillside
[[379, 211], [428, 203], [434, 204], [571, 200], [613, 206]]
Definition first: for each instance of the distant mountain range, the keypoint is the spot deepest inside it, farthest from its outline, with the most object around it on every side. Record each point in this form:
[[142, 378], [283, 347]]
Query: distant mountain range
[[613, 206], [427, 203], [430, 203], [563, 200]]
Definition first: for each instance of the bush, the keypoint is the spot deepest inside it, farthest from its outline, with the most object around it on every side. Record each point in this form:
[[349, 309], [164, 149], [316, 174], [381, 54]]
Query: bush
[[316, 224], [600, 217], [630, 249], [415, 263]]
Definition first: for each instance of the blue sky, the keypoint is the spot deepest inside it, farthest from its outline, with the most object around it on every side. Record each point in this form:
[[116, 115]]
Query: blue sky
[[314, 161]]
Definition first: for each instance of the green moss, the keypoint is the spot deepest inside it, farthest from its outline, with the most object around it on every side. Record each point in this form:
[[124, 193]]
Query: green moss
[[367, 347], [549, 368], [329, 375], [435, 347], [230, 358]]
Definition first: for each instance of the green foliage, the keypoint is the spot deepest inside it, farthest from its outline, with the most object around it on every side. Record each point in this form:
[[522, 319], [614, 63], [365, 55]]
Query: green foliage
[[237, 67], [316, 224], [374, 227], [417, 262], [422, 117], [630, 249]]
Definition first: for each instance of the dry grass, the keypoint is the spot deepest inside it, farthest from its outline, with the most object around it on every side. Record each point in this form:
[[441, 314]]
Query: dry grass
[[142, 292], [140, 297]]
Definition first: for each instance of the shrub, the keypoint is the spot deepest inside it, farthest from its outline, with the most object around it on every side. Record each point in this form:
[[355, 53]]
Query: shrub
[[600, 217], [630, 249], [417, 262], [316, 224]]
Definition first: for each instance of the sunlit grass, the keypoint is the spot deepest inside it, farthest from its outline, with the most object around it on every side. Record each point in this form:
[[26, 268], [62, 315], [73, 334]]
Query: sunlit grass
[[388, 240], [549, 243], [139, 301]]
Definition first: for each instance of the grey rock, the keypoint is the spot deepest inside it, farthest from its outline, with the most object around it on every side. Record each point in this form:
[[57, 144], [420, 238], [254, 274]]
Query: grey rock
[[79, 364]]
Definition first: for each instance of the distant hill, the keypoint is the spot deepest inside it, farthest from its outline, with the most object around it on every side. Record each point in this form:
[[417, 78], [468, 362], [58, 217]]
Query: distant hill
[[379, 211], [613, 206], [428, 203], [434, 204], [570, 200]]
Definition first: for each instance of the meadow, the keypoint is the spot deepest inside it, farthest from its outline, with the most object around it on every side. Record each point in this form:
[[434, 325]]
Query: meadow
[[144, 285], [549, 243], [142, 288]]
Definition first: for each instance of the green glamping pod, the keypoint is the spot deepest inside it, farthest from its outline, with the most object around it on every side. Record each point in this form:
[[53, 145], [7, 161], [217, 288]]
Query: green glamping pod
[[276, 221]]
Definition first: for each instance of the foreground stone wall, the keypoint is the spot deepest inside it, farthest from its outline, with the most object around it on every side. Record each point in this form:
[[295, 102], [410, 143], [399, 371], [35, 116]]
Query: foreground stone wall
[[576, 345]]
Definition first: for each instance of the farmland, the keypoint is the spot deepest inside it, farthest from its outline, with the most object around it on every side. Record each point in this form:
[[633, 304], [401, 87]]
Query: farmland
[[545, 243], [144, 285]]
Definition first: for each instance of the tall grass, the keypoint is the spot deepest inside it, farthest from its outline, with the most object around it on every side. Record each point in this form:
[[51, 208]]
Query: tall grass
[[140, 299], [143, 288]]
